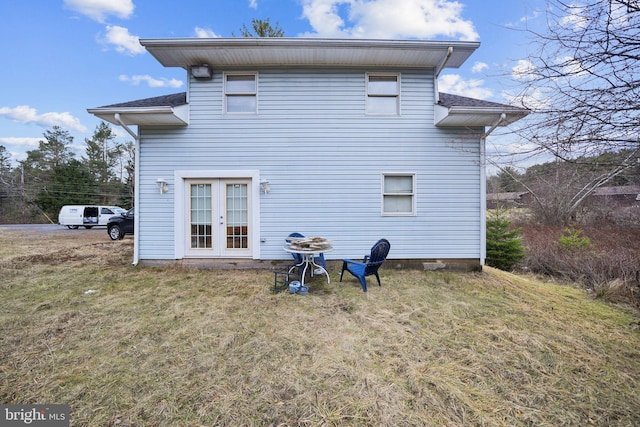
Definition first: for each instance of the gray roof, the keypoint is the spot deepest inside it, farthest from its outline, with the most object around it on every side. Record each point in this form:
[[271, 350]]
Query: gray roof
[[449, 100], [510, 196], [172, 110], [172, 100], [166, 110], [456, 110], [176, 99], [623, 190]]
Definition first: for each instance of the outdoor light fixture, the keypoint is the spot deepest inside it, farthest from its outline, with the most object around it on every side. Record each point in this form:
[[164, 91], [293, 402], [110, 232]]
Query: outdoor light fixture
[[162, 185], [264, 186], [202, 72]]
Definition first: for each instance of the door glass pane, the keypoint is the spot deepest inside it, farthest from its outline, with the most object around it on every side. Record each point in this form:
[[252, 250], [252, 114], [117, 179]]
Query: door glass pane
[[237, 216], [201, 227]]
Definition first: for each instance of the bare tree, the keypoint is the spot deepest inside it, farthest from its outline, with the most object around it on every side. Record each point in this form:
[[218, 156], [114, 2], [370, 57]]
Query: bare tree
[[582, 83]]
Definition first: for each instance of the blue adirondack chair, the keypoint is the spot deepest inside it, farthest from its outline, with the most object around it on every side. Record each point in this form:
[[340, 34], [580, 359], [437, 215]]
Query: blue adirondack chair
[[369, 265]]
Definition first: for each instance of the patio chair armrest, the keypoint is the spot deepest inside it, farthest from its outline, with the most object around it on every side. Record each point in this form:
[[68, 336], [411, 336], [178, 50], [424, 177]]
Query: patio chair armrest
[[350, 261]]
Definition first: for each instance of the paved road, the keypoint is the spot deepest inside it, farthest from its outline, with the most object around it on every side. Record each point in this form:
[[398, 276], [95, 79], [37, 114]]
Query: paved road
[[50, 228]]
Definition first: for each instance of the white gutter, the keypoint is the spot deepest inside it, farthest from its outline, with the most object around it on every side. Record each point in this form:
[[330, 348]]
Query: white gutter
[[483, 189], [136, 189]]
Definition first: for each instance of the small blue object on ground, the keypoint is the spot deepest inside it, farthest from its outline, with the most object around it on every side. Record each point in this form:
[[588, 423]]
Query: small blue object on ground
[[294, 287]]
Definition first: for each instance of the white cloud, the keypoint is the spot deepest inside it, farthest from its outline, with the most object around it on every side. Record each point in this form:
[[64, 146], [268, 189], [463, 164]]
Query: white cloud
[[576, 18], [572, 67], [151, 81], [533, 99], [204, 33], [98, 10], [20, 141], [123, 42], [456, 85], [479, 67], [534, 15], [253, 4], [26, 114], [323, 17], [388, 19], [523, 70]]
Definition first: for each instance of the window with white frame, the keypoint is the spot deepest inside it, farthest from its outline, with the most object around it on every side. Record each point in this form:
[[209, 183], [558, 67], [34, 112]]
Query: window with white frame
[[398, 194], [383, 93], [241, 93]]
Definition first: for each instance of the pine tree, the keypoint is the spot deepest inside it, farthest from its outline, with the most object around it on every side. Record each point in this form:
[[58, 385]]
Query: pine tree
[[504, 246]]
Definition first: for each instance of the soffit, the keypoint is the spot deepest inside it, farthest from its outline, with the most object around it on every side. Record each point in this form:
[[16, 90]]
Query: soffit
[[279, 52]]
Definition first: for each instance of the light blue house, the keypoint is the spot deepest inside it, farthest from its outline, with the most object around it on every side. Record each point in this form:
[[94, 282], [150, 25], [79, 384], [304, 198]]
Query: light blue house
[[344, 139]]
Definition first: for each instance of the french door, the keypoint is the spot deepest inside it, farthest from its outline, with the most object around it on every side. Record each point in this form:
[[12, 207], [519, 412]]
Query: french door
[[218, 213]]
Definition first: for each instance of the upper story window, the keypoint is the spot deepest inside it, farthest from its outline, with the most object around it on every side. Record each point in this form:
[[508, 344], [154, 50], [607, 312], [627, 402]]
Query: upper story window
[[241, 93], [398, 194], [383, 93]]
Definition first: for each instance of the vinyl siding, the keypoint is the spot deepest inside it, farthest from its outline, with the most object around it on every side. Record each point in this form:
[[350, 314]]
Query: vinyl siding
[[323, 157]]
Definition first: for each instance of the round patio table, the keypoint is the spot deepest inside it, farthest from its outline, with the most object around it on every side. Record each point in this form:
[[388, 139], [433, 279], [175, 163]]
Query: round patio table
[[308, 260]]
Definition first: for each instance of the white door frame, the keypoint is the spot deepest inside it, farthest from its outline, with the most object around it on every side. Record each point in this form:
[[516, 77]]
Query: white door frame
[[180, 207]]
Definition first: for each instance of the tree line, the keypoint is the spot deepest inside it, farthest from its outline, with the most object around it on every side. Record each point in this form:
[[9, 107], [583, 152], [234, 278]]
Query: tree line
[[52, 176], [560, 189]]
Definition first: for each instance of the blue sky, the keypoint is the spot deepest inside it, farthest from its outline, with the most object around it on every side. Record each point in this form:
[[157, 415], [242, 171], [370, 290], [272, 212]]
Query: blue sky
[[60, 57]]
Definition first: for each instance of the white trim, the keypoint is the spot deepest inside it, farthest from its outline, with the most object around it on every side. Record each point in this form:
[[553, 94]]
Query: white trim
[[286, 52], [483, 202], [225, 95], [414, 178], [179, 203], [396, 96]]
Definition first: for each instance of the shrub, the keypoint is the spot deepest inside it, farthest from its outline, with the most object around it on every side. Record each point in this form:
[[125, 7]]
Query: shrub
[[572, 238], [605, 264], [504, 246]]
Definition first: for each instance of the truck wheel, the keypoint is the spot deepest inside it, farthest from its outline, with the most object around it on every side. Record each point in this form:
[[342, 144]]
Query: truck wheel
[[115, 233], [75, 227]]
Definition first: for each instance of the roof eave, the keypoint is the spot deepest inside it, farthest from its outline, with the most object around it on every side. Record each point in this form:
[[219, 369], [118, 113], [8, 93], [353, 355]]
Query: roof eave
[[265, 51], [477, 116], [144, 116]]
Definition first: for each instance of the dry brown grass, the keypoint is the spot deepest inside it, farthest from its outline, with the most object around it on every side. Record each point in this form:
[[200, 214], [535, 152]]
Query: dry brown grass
[[184, 347]]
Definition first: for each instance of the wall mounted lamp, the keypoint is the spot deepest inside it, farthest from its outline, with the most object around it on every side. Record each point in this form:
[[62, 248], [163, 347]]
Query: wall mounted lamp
[[264, 186], [201, 72], [162, 185]]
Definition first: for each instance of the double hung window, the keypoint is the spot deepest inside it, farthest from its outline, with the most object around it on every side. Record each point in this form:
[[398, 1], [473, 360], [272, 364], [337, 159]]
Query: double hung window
[[398, 194], [383, 94], [241, 93]]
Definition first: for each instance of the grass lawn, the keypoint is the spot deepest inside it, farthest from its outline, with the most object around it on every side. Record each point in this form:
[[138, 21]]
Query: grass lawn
[[187, 347]]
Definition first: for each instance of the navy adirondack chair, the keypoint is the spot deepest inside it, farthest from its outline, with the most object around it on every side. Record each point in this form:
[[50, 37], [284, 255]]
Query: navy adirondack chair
[[369, 265]]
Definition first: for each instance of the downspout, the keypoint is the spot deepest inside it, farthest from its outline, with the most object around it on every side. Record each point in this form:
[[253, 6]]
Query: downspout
[[439, 69], [136, 189], [483, 188], [493, 127], [444, 61]]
